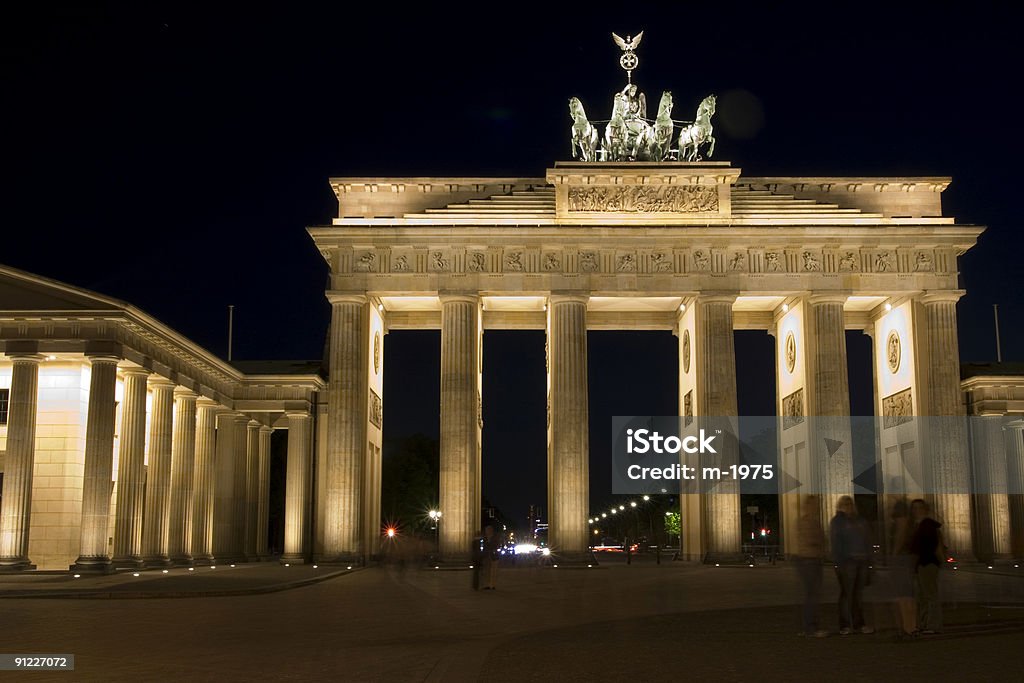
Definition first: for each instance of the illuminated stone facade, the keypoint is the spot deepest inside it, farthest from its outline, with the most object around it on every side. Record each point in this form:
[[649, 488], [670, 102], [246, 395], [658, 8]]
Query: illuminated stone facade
[[126, 444]]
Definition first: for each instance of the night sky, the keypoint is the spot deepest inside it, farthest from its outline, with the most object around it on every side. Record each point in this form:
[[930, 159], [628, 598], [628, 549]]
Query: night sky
[[173, 158]]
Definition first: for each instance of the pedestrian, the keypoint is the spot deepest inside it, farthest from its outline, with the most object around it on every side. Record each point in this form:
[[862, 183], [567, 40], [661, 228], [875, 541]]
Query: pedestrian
[[850, 552], [477, 557], [903, 567], [808, 556], [490, 558], [929, 550]]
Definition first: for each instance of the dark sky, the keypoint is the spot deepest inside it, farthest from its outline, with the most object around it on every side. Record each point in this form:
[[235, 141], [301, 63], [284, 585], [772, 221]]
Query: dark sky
[[173, 156]]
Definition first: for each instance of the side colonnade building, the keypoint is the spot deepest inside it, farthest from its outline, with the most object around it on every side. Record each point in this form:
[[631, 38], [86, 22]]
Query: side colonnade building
[[124, 444]]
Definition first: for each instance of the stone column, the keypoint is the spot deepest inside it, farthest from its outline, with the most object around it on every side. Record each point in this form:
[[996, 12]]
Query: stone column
[[263, 520], [947, 452], [156, 519], [460, 443], [183, 455], [226, 540], [716, 397], [347, 397], [568, 426], [1014, 434], [131, 470], [252, 489], [240, 470], [990, 470], [19, 463], [94, 553], [297, 486], [203, 481], [828, 403]]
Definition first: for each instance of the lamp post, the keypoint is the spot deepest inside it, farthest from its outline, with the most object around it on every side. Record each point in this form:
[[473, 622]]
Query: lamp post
[[435, 518]]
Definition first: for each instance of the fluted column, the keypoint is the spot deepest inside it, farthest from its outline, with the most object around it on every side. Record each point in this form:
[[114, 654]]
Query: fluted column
[[131, 469], [347, 398], [263, 520], [297, 487], [947, 451], [19, 462], [99, 466], [156, 518], [829, 399], [716, 397], [252, 489], [227, 540], [1014, 435], [992, 505], [183, 455], [203, 481], [460, 432], [568, 429], [240, 473]]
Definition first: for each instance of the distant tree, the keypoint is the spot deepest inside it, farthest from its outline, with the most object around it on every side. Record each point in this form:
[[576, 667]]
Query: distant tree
[[409, 473], [672, 524]]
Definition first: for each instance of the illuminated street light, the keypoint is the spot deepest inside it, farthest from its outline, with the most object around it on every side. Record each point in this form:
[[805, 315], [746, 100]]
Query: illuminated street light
[[633, 504], [646, 498], [391, 532]]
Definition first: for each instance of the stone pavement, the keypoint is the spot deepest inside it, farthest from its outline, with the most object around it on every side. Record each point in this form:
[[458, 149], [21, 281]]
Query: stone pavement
[[616, 622]]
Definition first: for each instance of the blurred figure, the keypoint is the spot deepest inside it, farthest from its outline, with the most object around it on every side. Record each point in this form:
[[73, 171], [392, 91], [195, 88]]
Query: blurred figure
[[477, 557], [810, 551], [903, 566], [850, 552], [929, 552], [490, 558]]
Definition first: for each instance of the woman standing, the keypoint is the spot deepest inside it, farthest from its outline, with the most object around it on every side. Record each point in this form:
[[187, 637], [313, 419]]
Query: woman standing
[[850, 551], [930, 551]]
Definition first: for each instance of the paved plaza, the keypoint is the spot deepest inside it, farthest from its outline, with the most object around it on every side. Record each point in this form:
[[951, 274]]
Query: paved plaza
[[616, 622]]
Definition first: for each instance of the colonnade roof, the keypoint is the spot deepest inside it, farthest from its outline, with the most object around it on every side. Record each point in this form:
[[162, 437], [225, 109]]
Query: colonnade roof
[[66, 320]]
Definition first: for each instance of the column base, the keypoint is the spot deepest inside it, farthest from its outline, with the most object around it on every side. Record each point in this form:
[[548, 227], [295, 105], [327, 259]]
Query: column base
[[128, 563], [158, 562], [91, 565], [184, 561], [204, 562], [293, 559], [16, 566]]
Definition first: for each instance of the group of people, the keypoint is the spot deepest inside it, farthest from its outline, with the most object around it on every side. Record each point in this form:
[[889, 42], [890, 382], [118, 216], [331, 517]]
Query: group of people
[[917, 552]]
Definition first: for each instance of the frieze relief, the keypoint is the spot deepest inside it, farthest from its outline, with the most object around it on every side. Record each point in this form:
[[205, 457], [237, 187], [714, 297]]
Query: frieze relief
[[589, 262], [376, 410], [897, 409], [645, 199], [476, 262], [514, 262], [793, 409], [400, 264]]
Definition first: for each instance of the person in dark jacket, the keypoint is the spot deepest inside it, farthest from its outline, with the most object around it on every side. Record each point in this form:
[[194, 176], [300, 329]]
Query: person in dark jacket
[[850, 552], [927, 546]]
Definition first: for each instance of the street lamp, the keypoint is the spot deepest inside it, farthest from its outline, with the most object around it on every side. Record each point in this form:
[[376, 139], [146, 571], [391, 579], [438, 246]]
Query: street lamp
[[435, 518]]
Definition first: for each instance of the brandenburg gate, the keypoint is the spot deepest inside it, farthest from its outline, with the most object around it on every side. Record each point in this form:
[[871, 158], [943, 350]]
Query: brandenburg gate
[[693, 247]]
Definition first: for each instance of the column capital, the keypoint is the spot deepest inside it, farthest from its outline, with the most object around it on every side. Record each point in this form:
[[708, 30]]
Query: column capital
[[717, 297], [291, 414], [455, 297], [209, 404], [827, 298], [22, 349], [99, 358], [134, 370], [161, 382], [266, 429], [338, 298], [253, 424], [184, 393], [934, 296], [21, 357], [557, 297]]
